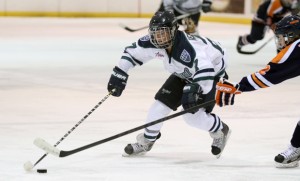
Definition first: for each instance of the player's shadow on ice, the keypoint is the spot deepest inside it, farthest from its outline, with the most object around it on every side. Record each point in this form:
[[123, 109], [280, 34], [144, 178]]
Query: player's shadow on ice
[[201, 159]]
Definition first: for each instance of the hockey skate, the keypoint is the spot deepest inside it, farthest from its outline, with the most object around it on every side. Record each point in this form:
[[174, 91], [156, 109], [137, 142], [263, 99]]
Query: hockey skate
[[240, 44], [139, 148], [242, 41], [289, 158], [219, 140]]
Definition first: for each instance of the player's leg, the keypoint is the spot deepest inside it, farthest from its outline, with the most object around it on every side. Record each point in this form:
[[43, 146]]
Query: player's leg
[[205, 120], [168, 98], [258, 30], [145, 141], [291, 156], [210, 122]]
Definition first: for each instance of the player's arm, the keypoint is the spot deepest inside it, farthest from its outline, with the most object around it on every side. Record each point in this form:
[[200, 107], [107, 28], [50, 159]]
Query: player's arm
[[285, 65], [133, 55], [227, 90], [277, 71]]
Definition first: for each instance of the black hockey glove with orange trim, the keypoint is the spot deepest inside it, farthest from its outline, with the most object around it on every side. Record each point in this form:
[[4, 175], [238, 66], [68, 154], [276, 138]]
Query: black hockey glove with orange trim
[[226, 92], [117, 81]]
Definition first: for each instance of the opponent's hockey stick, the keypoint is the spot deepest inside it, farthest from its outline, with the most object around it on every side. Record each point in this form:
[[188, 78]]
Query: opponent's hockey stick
[[132, 29], [28, 165], [145, 27], [61, 153], [255, 51]]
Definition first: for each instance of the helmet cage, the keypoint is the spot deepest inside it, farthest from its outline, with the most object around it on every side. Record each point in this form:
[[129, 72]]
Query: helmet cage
[[281, 41], [162, 37]]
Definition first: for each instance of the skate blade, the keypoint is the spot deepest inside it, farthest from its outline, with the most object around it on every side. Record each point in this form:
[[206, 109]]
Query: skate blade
[[227, 137], [288, 165], [124, 154]]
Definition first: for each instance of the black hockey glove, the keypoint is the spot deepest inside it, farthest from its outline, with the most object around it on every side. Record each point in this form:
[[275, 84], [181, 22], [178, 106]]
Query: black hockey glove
[[226, 92], [206, 6], [117, 81], [191, 96]]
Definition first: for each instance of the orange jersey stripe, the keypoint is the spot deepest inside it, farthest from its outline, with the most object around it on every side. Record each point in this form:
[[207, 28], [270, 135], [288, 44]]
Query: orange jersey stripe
[[257, 81], [274, 5], [280, 55]]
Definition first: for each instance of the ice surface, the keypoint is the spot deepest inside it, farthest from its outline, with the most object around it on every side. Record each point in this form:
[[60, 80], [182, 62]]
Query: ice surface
[[54, 71]]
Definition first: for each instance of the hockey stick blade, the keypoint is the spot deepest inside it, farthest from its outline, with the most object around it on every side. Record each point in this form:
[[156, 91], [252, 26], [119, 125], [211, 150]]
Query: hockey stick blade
[[131, 29], [61, 153], [255, 51], [42, 144], [29, 166]]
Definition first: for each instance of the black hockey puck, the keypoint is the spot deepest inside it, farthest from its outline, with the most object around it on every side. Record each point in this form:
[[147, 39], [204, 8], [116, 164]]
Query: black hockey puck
[[41, 170]]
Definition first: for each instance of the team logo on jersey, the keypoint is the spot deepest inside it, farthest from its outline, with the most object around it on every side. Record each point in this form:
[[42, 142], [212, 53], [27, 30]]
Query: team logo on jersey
[[145, 38], [185, 74], [185, 56], [159, 55]]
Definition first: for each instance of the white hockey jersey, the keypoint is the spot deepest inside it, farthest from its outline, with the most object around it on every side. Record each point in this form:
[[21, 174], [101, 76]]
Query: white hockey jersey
[[197, 59], [183, 6]]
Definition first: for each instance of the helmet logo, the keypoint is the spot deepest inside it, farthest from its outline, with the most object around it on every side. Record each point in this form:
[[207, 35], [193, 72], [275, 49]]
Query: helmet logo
[[185, 56]]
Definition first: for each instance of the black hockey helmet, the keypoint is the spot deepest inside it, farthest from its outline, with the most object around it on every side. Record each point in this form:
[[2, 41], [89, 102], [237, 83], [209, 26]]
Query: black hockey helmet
[[287, 31], [162, 29]]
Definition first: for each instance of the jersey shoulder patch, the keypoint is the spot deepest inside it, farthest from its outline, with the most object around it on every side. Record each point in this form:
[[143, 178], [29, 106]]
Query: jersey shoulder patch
[[145, 42]]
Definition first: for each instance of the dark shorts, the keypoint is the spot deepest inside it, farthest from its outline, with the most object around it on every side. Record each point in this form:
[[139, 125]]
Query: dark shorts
[[171, 92]]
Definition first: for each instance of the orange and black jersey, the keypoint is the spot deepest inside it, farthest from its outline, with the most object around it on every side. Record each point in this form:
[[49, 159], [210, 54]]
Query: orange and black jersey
[[272, 9], [284, 66]]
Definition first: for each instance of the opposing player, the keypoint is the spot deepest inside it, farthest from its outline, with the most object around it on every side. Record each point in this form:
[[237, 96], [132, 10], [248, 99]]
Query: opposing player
[[194, 64], [268, 14], [194, 7], [284, 66]]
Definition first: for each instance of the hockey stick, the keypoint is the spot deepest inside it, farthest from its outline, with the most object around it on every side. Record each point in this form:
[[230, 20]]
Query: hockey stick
[[28, 165], [42, 144], [131, 29], [145, 27], [255, 51]]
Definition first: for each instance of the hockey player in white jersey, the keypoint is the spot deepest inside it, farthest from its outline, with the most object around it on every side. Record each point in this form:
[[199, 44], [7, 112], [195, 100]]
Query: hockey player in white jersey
[[193, 7], [195, 64]]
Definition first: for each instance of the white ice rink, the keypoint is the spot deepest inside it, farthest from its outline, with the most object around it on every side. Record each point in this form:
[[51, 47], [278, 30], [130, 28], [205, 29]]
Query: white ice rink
[[54, 71]]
